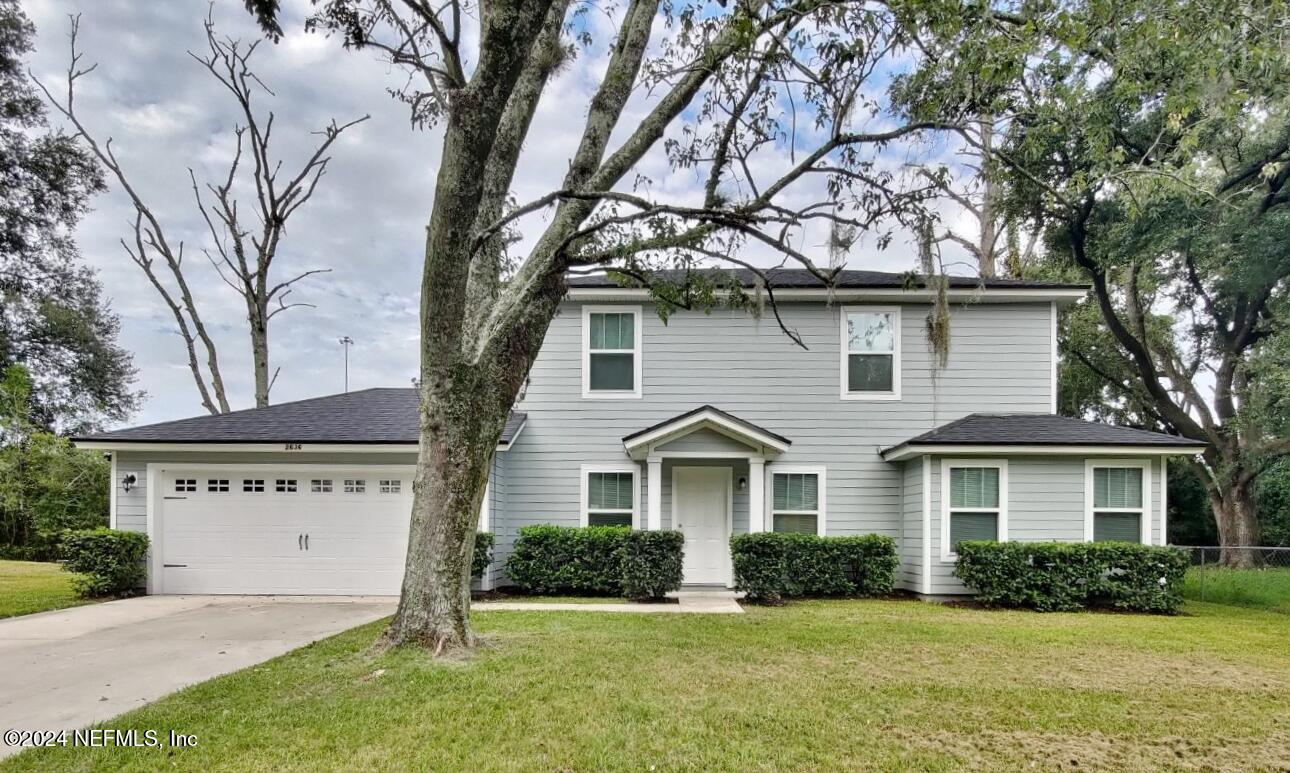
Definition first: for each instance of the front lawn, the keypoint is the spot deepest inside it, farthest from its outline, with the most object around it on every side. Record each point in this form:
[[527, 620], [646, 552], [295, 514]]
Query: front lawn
[[812, 686], [30, 586], [1259, 588]]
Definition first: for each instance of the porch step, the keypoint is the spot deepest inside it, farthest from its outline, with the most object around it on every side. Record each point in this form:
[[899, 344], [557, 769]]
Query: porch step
[[720, 602]]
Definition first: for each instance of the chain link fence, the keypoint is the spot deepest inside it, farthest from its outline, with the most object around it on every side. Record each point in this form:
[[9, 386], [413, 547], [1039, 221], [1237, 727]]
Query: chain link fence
[[1257, 577]]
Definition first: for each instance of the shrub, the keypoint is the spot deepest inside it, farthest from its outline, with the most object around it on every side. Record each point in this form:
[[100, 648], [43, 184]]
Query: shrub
[[770, 566], [1067, 576], [483, 553], [109, 561], [557, 559], [596, 560], [651, 563]]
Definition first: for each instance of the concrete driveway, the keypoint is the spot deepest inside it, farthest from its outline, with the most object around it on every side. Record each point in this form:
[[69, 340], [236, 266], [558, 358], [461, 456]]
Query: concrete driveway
[[71, 668]]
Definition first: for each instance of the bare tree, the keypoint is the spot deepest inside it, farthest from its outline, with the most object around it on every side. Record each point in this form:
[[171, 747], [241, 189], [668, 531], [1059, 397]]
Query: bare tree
[[776, 108], [998, 232], [242, 249]]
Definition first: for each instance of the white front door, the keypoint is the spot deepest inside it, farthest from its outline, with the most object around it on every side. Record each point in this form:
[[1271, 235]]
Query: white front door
[[701, 511]]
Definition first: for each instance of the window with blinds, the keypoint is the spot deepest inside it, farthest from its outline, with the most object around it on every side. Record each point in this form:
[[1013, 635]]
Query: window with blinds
[[1117, 504], [612, 351], [609, 498], [795, 502], [974, 504]]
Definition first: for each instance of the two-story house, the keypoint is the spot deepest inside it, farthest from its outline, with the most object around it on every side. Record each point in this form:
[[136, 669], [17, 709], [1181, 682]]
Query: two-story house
[[713, 424]]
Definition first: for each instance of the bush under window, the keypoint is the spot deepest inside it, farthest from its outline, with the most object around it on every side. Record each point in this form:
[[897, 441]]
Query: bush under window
[[770, 566], [596, 560], [483, 553], [1067, 576]]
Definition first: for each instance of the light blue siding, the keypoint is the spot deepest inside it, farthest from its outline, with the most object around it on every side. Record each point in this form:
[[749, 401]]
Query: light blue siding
[[1000, 360]]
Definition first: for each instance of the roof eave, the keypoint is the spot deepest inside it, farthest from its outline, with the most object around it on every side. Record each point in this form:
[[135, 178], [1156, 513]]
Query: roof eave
[[257, 446], [1060, 295], [905, 451]]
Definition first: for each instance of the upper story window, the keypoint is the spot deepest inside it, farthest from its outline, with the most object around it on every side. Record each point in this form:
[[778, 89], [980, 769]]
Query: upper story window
[[796, 501], [871, 353], [609, 496], [611, 351], [974, 503], [1117, 504]]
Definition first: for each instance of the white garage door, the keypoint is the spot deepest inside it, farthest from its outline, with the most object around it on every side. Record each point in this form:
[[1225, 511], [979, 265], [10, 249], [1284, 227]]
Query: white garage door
[[291, 531]]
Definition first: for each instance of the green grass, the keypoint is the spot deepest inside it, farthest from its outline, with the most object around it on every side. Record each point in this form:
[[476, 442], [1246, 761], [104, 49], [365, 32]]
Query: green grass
[[1259, 588], [812, 686], [29, 586]]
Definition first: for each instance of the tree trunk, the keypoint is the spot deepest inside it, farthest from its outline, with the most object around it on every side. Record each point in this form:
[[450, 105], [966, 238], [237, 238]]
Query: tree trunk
[[260, 352], [1238, 525], [458, 437]]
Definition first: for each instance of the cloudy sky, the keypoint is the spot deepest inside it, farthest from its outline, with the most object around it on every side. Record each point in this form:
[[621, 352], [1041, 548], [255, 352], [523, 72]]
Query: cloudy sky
[[166, 114]]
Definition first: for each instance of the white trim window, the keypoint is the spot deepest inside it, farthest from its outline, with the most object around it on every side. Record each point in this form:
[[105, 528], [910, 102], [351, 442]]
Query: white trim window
[[870, 353], [391, 486], [185, 484], [1117, 500], [611, 351], [355, 486], [974, 502], [610, 495], [320, 485], [217, 485], [797, 498]]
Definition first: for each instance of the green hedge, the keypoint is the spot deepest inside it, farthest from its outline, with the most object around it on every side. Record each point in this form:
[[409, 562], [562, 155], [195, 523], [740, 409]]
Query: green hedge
[[596, 561], [651, 563], [770, 566], [1066, 576], [483, 553], [109, 562]]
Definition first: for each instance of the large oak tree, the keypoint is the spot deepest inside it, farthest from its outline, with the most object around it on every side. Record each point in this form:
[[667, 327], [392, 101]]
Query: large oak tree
[[779, 109]]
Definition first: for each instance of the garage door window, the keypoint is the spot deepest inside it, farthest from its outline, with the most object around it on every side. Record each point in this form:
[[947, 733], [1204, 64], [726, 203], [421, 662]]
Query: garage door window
[[285, 486], [355, 486], [217, 486], [185, 484], [391, 486], [251, 486], [320, 486]]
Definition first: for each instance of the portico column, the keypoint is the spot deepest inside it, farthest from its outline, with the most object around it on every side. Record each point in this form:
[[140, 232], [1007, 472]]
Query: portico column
[[756, 495], [654, 494]]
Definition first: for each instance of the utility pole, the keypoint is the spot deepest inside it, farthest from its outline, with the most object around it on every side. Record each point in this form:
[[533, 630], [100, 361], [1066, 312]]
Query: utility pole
[[346, 342]]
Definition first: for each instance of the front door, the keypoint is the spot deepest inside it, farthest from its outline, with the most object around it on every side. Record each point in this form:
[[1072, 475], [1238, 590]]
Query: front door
[[701, 511]]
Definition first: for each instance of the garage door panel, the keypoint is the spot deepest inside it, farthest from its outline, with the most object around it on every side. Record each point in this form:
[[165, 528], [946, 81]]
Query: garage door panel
[[231, 541]]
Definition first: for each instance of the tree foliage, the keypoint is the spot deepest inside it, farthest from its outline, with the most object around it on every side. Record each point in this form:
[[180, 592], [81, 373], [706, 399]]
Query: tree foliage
[[53, 318], [47, 486]]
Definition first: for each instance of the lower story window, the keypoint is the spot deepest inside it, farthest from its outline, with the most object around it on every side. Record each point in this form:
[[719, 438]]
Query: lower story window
[[391, 486], [610, 498], [795, 502], [355, 486], [320, 486], [285, 486], [252, 486], [975, 497], [1117, 504]]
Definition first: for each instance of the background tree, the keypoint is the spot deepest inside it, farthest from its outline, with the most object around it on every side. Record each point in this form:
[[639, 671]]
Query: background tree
[[53, 319], [779, 107], [1157, 144], [242, 249], [46, 485]]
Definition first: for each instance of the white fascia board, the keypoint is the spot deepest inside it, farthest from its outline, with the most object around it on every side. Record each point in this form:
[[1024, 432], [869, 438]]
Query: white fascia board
[[1020, 295], [900, 453], [674, 430], [295, 448]]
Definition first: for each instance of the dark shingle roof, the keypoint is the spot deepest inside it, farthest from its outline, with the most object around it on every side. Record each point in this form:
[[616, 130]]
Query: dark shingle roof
[[1040, 429], [386, 415], [846, 279]]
